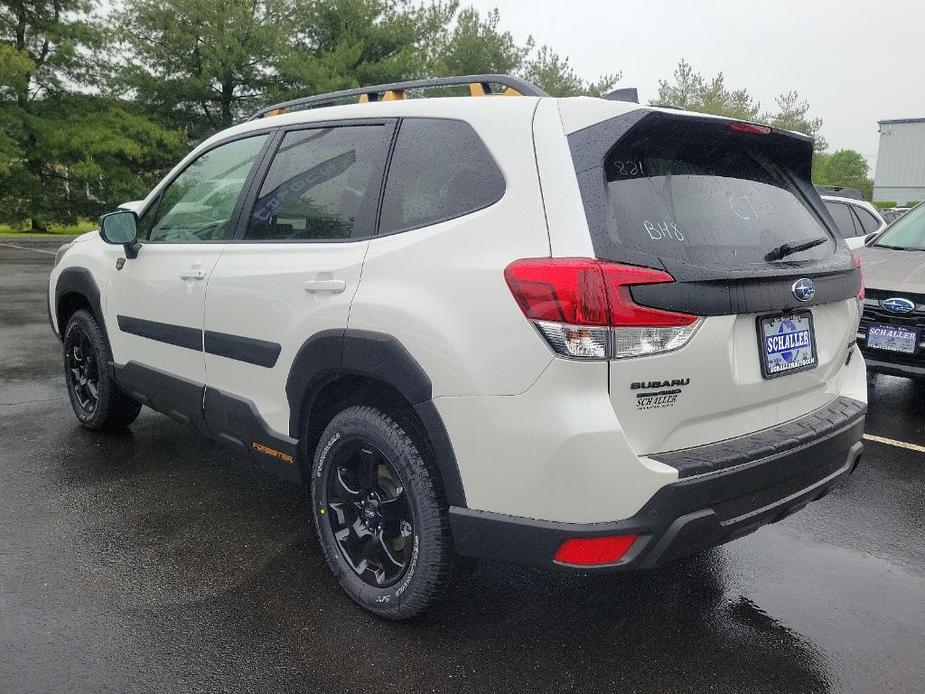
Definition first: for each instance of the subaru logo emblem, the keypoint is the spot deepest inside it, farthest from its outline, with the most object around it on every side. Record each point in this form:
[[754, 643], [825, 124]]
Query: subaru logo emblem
[[897, 304], [803, 289]]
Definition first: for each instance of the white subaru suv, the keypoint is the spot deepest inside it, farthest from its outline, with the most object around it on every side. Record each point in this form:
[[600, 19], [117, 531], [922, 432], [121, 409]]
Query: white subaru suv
[[571, 332]]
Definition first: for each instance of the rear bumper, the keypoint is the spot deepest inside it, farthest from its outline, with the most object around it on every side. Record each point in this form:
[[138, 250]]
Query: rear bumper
[[698, 511]]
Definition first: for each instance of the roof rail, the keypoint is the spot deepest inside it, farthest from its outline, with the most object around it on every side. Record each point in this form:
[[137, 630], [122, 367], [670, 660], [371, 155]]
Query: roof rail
[[479, 85]]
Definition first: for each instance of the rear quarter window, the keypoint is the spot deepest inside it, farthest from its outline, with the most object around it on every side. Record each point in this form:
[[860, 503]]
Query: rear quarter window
[[440, 170]]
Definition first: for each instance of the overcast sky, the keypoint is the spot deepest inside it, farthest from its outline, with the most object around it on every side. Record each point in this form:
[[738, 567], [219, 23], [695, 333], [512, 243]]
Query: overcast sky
[[855, 61]]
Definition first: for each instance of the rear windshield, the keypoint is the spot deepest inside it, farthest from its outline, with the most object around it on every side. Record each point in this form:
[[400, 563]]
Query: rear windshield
[[707, 197]]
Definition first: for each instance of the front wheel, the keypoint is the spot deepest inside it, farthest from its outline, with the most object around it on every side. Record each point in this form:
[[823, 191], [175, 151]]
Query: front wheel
[[96, 398], [381, 521]]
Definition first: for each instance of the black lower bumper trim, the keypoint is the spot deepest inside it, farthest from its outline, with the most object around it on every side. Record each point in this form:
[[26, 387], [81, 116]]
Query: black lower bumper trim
[[893, 368], [684, 517]]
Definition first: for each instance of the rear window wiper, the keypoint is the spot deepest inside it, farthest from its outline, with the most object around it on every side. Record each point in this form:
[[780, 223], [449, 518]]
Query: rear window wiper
[[792, 247]]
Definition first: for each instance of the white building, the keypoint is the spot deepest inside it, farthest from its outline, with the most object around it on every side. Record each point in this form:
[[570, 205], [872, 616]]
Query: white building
[[900, 172]]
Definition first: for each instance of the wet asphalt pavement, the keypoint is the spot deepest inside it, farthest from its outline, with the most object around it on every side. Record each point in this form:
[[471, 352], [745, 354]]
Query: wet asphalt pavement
[[153, 560]]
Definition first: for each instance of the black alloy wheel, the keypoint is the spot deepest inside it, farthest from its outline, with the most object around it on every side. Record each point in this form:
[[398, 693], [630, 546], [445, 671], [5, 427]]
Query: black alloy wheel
[[97, 400], [83, 369], [380, 514], [369, 513]]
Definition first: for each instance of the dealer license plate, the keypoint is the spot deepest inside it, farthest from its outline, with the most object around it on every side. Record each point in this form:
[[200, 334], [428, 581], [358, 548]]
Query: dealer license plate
[[892, 338], [787, 343]]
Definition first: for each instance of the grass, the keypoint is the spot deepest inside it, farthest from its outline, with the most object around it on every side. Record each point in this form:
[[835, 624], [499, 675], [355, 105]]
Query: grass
[[10, 231]]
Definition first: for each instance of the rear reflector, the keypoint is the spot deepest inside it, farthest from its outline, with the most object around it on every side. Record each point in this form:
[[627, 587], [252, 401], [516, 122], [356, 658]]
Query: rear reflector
[[750, 128], [584, 309], [594, 550]]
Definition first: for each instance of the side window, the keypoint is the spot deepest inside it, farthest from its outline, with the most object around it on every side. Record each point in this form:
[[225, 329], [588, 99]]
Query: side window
[[843, 218], [440, 170], [323, 184], [198, 204], [868, 221]]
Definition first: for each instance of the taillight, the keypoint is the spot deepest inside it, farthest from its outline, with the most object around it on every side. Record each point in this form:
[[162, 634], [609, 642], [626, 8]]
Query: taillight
[[857, 264], [594, 550], [584, 309]]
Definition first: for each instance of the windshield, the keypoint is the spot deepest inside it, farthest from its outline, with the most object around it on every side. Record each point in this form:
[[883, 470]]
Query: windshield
[[708, 200], [908, 232]]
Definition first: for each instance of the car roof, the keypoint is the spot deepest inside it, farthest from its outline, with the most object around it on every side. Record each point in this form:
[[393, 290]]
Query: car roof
[[576, 112]]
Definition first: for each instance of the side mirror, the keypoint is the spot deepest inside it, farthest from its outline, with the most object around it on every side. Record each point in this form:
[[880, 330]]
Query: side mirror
[[120, 228]]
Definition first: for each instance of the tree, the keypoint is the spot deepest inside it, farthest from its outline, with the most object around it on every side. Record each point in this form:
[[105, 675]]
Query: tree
[[556, 76], [42, 44], [64, 155], [343, 44], [793, 114], [845, 167], [692, 92], [197, 62], [476, 45]]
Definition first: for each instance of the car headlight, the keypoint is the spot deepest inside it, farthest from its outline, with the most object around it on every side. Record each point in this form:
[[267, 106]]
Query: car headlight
[[60, 253]]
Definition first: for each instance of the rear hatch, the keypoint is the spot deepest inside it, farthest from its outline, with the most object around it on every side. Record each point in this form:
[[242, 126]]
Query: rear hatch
[[721, 206]]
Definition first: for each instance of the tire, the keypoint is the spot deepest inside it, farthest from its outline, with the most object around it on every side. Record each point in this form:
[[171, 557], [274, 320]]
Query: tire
[[355, 496], [96, 399]]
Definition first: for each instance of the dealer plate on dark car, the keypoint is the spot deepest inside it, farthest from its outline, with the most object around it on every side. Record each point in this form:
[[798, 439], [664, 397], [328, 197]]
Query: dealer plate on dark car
[[892, 338], [787, 343]]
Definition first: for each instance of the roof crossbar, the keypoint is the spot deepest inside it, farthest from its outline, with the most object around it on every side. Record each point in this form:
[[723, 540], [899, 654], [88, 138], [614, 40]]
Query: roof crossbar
[[478, 85]]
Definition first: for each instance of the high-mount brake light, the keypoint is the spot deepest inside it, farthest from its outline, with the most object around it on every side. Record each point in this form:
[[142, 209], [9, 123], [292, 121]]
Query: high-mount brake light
[[584, 309], [857, 264], [750, 128]]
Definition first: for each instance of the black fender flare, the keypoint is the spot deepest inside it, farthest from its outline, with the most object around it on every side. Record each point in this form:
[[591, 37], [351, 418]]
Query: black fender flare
[[78, 280], [331, 354]]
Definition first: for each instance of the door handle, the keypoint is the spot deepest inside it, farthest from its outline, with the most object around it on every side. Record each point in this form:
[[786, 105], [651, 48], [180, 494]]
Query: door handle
[[194, 273], [332, 286]]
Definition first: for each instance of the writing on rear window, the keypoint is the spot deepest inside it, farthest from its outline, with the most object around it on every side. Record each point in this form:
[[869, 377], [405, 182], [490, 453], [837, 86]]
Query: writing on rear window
[[627, 168], [663, 230]]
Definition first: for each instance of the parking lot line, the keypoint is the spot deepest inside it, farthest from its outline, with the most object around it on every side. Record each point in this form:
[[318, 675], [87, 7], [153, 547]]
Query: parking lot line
[[894, 442], [26, 248]]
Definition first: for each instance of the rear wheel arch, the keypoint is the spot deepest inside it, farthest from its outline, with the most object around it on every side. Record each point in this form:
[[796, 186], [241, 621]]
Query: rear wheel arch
[[336, 369]]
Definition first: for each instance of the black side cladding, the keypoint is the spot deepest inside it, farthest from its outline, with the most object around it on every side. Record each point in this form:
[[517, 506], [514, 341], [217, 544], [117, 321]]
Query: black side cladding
[[78, 281], [177, 335], [379, 357], [178, 398], [246, 349]]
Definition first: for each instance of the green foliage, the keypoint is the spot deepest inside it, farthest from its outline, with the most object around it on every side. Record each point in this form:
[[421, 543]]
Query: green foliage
[[884, 204], [65, 155], [475, 44], [196, 63], [793, 114], [845, 167], [912, 203], [554, 74], [86, 155], [693, 92], [342, 44]]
